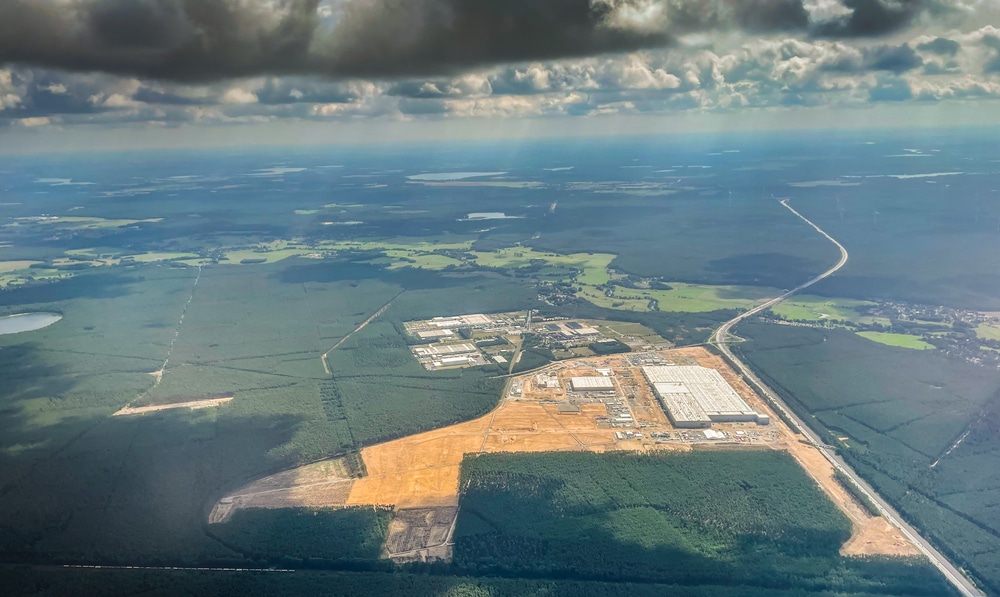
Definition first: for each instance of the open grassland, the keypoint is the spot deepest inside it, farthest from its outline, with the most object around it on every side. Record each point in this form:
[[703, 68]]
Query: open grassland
[[593, 267], [919, 427], [899, 340], [819, 308], [13, 266], [702, 517], [689, 298], [160, 256], [988, 331]]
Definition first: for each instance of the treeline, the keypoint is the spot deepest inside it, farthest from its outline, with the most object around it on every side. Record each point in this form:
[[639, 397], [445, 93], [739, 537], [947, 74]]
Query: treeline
[[702, 518], [606, 347], [852, 488], [901, 412], [379, 391], [533, 353], [678, 327], [429, 582], [310, 537]]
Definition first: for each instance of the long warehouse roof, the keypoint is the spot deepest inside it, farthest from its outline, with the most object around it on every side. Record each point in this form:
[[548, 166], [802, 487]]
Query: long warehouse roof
[[694, 389]]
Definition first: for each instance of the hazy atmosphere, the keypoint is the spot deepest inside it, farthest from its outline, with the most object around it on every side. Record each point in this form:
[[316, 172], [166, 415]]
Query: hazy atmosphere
[[500, 298], [295, 69]]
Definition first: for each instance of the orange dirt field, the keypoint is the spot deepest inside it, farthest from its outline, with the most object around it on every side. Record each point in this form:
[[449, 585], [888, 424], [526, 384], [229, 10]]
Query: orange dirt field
[[421, 471]]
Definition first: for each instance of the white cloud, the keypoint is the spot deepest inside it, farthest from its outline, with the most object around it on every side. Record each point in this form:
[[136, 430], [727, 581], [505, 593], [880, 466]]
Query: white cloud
[[34, 121], [237, 95]]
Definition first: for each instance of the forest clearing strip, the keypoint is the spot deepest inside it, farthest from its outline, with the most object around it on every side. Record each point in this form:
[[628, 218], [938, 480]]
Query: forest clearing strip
[[326, 365], [193, 405]]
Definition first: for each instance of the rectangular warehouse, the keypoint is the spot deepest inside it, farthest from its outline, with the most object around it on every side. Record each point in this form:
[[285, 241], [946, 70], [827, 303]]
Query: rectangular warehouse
[[697, 396], [443, 350], [592, 384]]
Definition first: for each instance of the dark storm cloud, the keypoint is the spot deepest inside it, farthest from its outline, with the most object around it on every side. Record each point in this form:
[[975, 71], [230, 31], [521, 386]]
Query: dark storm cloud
[[204, 40], [896, 59], [169, 39], [941, 46], [876, 17]]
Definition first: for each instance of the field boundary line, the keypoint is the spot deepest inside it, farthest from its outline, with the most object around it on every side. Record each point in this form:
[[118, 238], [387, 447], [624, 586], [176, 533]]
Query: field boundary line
[[326, 365]]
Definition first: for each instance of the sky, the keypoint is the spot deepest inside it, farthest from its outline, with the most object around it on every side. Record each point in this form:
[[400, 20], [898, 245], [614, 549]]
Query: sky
[[112, 74]]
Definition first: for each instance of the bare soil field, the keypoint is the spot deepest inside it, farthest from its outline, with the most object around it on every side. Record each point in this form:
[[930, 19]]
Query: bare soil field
[[321, 484], [194, 404], [421, 471], [420, 535]]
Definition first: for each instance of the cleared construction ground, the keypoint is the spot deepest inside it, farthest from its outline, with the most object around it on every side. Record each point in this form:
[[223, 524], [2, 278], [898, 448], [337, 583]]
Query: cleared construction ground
[[419, 474]]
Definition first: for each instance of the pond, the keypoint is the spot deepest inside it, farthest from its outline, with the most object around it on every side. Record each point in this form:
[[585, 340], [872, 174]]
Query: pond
[[26, 322]]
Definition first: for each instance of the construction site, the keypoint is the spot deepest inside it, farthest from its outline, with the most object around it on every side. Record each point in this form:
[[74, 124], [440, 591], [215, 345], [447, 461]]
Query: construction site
[[634, 401]]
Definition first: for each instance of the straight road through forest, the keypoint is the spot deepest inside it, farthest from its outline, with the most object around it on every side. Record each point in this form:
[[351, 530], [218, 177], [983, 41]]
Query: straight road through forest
[[720, 339]]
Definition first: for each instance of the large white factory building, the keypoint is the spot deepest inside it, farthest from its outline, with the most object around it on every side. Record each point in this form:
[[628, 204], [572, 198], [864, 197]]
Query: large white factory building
[[697, 396]]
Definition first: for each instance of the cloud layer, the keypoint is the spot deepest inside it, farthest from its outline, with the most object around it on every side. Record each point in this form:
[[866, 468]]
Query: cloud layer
[[179, 62], [205, 40]]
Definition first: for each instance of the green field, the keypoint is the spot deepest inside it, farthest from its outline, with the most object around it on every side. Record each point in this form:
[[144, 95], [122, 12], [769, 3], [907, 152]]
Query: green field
[[158, 256], [818, 308], [988, 331], [900, 340], [688, 298], [593, 267]]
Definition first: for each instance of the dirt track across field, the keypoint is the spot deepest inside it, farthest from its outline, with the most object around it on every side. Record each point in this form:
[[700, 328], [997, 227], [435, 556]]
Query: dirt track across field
[[194, 404]]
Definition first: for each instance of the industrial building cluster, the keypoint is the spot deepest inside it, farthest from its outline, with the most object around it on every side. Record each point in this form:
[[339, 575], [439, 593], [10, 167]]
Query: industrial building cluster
[[464, 354], [696, 397], [460, 341]]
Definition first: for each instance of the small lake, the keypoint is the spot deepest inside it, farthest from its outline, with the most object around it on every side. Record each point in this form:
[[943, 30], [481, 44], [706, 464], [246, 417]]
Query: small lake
[[26, 322]]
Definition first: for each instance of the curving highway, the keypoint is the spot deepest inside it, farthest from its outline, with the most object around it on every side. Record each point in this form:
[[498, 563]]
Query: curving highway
[[720, 339]]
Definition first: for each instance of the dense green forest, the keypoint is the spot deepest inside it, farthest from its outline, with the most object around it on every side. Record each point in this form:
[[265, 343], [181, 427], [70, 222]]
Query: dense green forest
[[80, 485], [750, 519], [297, 537], [379, 391], [902, 412], [57, 582]]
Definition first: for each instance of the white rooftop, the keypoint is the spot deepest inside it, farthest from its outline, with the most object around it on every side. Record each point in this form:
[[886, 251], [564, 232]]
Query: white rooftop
[[698, 392]]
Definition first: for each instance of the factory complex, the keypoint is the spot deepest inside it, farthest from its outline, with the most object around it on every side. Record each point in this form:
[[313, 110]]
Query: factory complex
[[478, 339], [695, 396]]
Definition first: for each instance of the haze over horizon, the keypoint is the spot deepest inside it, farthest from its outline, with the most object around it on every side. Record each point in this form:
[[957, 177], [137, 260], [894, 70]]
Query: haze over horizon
[[122, 74]]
